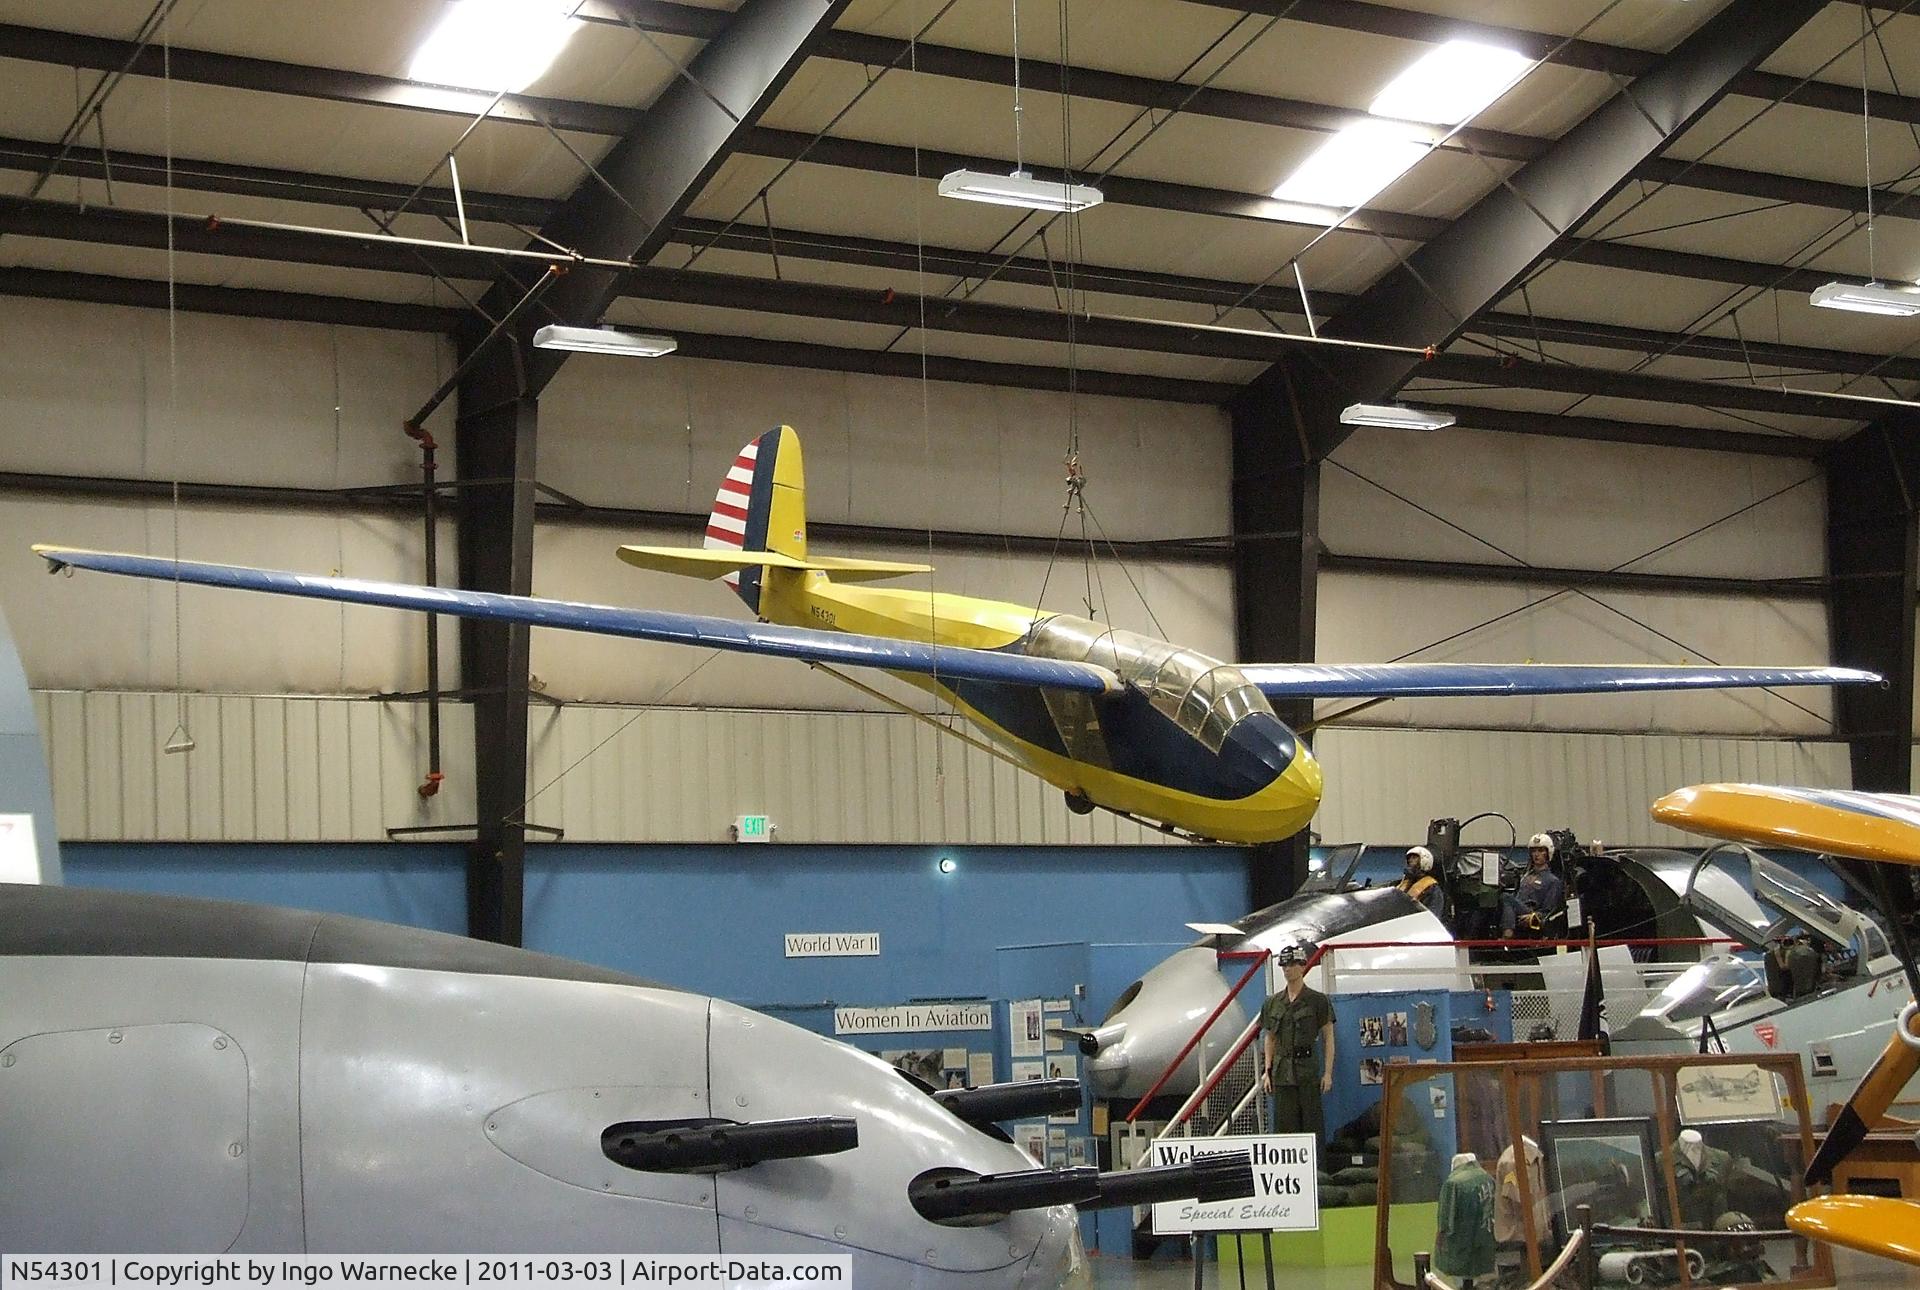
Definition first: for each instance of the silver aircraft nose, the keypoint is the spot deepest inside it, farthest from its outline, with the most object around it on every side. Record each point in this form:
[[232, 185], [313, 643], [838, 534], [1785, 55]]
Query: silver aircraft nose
[[1173, 998]]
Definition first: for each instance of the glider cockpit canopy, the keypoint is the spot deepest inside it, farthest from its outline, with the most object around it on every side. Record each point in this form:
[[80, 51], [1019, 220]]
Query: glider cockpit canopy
[[1203, 696]]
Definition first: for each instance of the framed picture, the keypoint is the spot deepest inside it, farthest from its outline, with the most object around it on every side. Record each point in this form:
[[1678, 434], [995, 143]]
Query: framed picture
[[1710, 1094], [1612, 1165]]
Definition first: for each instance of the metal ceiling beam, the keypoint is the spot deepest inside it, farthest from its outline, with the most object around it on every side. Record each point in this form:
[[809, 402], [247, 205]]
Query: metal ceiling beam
[[834, 248], [337, 85], [204, 67], [1604, 430], [195, 235], [1873, 561], [1689, 264], [908, 364], [927, 163], [1432, 296], [622, 211], [1724, 349], [236, 302], [1588, 55], [971, 317], [339, 190], [1507, 372], [645, 183], [190, 174], [1026, 270], [1530, 575], [51, 284], [967, 317]]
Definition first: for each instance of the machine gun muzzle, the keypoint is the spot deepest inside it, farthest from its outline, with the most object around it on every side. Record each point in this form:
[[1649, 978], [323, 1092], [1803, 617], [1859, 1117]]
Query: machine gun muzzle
[[958, 1198], [716, 1146], [1020, 1100]]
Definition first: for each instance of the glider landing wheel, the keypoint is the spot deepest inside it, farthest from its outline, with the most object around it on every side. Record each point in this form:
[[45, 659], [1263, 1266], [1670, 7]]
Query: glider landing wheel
[[1078, 802]]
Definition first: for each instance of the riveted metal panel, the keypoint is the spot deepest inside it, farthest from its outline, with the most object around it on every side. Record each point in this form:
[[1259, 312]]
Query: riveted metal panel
[[122, 1138]]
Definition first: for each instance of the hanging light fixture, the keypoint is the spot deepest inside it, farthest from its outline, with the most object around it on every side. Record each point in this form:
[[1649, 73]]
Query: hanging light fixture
[[1872, 296], [1019, 188]]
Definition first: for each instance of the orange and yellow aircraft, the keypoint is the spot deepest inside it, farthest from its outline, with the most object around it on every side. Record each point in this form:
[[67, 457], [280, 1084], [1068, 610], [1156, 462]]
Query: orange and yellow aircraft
[[1862, 826], [1112, 718]]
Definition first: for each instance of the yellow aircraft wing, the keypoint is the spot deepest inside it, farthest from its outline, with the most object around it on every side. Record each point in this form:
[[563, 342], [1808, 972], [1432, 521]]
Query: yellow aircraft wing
[[1872, 1224], [1863, 826]]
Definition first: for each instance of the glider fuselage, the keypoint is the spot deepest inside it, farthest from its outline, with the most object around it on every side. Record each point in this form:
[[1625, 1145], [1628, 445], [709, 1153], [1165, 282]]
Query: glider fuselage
[[1184, 739]]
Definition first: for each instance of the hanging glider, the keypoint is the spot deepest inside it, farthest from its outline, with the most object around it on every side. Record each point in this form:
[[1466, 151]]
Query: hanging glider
[[1882, 827], [1113, 718]]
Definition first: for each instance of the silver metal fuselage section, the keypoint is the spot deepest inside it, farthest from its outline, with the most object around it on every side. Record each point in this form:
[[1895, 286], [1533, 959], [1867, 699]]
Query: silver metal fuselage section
[[196, 1076], [1158, 1014]]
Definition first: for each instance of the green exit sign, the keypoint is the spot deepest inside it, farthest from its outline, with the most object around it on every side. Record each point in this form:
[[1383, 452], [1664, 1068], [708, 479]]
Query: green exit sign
[[752, 828]]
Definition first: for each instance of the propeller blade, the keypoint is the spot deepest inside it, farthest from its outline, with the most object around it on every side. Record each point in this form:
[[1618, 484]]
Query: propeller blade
[[1891, 1070]]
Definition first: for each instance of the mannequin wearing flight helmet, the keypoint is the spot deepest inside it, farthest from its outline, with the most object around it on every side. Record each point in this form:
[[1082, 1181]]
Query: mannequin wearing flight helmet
[[1421, 882], [1541, 900]]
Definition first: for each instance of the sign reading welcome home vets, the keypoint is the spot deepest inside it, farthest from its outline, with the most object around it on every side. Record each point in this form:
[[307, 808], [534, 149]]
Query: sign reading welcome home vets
[[1286, 1194]]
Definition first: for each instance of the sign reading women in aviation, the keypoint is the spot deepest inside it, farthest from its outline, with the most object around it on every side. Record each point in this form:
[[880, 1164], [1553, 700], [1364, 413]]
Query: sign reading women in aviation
[[1286, 1195]]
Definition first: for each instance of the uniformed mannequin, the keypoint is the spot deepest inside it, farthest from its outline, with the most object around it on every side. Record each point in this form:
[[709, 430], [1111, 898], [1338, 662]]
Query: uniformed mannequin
[[1700, 1174], [1420, 882], [1509, 1215], [1540, 904], [1463, 1238], [1298, 1023]]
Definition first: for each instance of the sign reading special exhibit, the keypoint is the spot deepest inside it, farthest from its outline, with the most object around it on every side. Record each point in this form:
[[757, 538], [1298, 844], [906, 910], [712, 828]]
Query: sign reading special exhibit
[[1286, 1194], [832, 945], [908, 1018]]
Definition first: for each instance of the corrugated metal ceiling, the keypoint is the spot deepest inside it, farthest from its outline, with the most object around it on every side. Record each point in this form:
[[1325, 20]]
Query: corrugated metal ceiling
[[1293, 68]]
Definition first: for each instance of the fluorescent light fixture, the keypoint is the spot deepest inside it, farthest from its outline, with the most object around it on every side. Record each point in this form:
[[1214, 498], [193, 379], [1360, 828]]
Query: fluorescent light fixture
[[1353, 165], [1868, 298], [494, 44], [1395, 416], [604, 340], [1019, 189], [1452, 83], [1216, 929]]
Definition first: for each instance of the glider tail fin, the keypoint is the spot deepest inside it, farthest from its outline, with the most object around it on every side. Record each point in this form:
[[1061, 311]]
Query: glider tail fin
[[761, 506]]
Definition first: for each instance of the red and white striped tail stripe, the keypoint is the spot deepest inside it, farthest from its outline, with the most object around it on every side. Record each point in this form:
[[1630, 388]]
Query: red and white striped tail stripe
[[727, 525]]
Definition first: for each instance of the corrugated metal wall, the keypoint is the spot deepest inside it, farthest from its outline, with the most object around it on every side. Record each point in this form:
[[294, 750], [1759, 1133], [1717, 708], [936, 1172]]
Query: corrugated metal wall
[[321, 769], [264, 769], [1383, 785]]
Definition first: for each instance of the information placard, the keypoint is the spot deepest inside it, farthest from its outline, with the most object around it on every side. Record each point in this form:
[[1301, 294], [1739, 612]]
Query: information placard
[[1286, 1193]]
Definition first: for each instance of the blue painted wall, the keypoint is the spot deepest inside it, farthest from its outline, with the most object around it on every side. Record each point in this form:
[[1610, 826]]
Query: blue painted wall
[[711, 918]]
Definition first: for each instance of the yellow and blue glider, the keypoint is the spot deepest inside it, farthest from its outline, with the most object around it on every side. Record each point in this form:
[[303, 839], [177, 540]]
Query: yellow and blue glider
[[1114, 719]]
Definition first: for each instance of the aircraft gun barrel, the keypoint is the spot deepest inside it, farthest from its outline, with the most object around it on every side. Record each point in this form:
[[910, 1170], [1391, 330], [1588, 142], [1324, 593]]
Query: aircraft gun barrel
[[711, 1146], [1020, 1100], [958, 1198], [1228, 1176]]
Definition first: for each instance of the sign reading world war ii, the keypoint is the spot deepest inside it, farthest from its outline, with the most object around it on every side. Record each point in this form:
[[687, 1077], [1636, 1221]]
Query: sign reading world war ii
[[912, 1018], [828, 945], [1286, 1195]]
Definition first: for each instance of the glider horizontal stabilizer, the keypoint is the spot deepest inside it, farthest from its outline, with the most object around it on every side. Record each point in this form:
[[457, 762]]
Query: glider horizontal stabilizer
[[717, 562], [844, 649], [1467, 680]]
